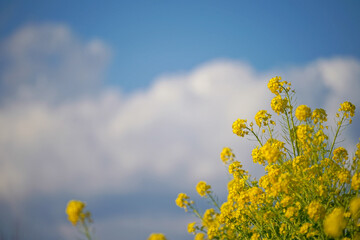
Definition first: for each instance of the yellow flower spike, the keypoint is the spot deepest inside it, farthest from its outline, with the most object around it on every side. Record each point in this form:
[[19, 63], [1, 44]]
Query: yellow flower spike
[[355, 208], [191, 227], [303, 112], [255, 236], [279, 105], [239, 127], [272, 150], [202, 188], [262, 117], [340, 155], [355, 181], [276, 86], [316, 210], [335, 223], [257, 156], [319, 115], [227, 155], [156, 236], [347, 108], [199, 236], [305, 228], [182, 201], [74, 210]]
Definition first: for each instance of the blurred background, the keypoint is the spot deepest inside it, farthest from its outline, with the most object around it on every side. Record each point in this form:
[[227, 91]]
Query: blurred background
[[124, 104]]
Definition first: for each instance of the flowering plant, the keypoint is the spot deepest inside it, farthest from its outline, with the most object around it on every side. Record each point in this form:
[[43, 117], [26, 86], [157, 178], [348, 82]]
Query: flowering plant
[[310, 189], [79, 217]]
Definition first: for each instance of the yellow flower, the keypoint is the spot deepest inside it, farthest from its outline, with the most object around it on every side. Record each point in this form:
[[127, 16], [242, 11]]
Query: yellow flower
[[316, 210], [340, 154], [257, 156], [272, 150], [278, 104], [286, 201], [181, 200], [335, 223], [74, 210], [235, 169], [191, 227], [255, 236], [276, 86], [202, 188], [262, 117], [319, 115], [227, 155], [355, 181], [303, 112], [291, 212], [355, 208], [344, 176], [209, 217], [199, 236], [157, 236], [283, 229], [347, 107], [239, 127], [305, 228]]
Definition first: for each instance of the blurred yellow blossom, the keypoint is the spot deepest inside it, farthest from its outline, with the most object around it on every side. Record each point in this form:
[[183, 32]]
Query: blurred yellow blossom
[[303, 112], [157, 236], [335, 223]]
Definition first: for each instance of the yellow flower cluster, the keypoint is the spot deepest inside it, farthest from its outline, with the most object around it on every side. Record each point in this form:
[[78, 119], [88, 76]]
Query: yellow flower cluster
[[202, 188], [74, 210], [279, 104], [347, 108], [310, 189], [239, 127], [157, 236], [262, 117], [276, 86], [227, 155], [303, 112], [319, 115], [182, 201], [335, 223]]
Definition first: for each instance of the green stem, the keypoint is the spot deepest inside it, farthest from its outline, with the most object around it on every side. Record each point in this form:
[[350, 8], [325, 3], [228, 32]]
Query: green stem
[[213, 200], [86, 230], [195, 211], [254, 135], [292, 122], [291, 132], [270, 132], [336, 134]]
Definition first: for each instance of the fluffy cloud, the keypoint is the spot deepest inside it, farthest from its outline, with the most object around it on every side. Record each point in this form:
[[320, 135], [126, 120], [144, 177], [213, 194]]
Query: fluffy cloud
[[48, 62], [60, 132]]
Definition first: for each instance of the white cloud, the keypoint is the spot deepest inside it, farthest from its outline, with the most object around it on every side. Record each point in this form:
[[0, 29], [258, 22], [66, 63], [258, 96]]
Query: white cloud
[[48, 62], [105, 142]]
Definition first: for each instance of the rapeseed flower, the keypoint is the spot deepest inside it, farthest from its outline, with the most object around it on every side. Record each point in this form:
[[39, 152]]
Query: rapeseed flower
[[74, 210], [157, 236], [227, 155], [303, 112], [262, 118], [279, 104], [199, 236], [239, 127], [202, 188], [307, 182], [347, 108], [335, 223]]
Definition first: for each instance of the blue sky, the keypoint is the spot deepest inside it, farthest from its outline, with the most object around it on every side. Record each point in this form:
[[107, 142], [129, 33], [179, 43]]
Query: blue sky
[[167, 36], [124, 104]]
